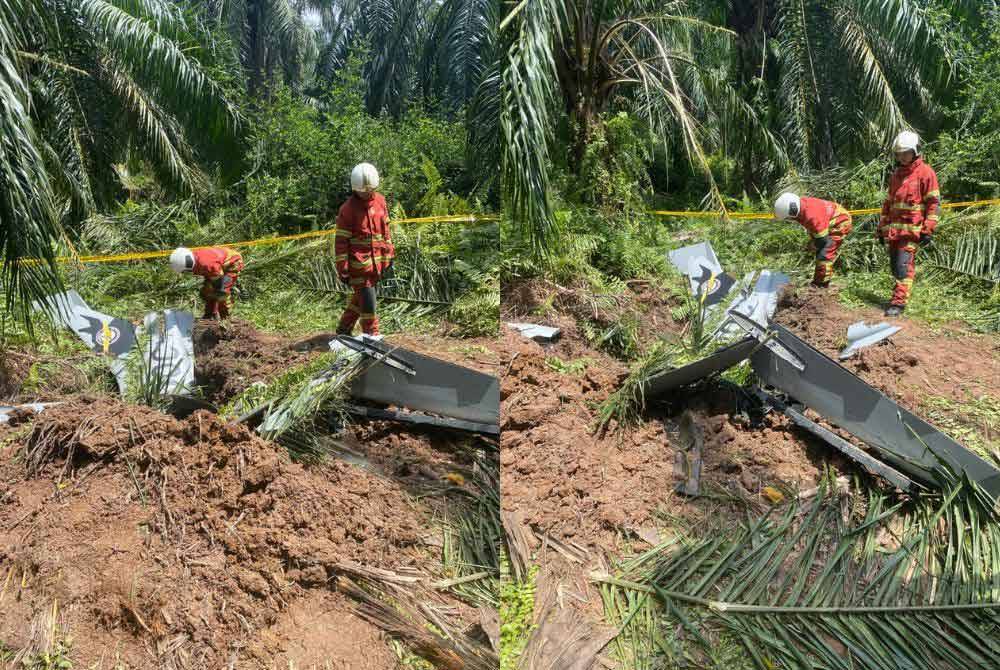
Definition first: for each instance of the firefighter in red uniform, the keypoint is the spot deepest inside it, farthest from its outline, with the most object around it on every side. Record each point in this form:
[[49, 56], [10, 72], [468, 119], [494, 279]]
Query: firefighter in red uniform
[[827, 222], [909, 215], [363, 249], [220, 267]]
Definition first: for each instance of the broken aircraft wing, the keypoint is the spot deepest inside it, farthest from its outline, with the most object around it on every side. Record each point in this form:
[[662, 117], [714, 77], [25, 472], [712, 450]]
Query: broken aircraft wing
[[902, 439], [722, 359], [436, 386]]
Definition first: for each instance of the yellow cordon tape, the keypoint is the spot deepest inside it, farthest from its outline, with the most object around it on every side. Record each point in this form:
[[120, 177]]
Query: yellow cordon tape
[[265, 241], [767, 215]]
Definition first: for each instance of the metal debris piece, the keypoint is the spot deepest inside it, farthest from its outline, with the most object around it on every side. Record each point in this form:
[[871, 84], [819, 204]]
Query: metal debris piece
[[903, 440], [170, 353], [435, 386], [423, 420], [536, 332], [687, 458], [366, 347], [722, 359], [105, 335], [760, 302], [861, 335], [701, 266], [35, 408], [855, 453], [760, 332]]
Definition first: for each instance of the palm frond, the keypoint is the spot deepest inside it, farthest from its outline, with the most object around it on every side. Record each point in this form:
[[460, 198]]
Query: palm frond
[[154, 58], [823, 583], [875, 85], [975, 255], [30, 226], [161, 132], [473, 534], [528, 118]]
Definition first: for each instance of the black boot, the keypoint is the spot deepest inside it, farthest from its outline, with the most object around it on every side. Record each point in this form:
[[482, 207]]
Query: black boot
[[894, 310]]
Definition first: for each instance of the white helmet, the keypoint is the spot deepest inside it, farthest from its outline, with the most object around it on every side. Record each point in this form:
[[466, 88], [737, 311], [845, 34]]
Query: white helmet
[[182, 260], [364, 177], [787, 206], [906, 141]]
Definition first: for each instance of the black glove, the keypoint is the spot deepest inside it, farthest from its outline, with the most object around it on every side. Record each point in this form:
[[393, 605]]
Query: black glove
[[925, 239]]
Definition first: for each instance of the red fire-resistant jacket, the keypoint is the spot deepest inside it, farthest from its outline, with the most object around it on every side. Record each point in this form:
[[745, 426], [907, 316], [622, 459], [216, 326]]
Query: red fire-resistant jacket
[[216, 262], [822, 217], [364, 246], [911, 206]]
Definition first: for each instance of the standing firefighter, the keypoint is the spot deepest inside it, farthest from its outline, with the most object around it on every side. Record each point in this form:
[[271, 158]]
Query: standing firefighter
[[364, 249], [827, 222], [909, 215], [220, 267]]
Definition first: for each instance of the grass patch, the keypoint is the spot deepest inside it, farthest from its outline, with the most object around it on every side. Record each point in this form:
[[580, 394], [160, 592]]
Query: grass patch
[[574, 367], [975, 422], [517, 610], [56, 657]]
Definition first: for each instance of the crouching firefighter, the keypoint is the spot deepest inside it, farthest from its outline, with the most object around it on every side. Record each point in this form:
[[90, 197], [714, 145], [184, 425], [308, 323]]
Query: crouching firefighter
[[909, 215], [220, 267], [363, 248], [827, 222]]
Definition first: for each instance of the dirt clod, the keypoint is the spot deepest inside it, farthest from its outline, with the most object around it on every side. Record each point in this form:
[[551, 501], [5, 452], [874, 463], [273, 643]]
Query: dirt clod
[[194, 530]]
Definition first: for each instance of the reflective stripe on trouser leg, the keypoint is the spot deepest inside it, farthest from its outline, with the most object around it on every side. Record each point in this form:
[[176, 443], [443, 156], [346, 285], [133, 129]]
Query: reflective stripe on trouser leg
[[369, 320], [903, 269], [369, 324], [823, 273], [350, 316], [826, 254]]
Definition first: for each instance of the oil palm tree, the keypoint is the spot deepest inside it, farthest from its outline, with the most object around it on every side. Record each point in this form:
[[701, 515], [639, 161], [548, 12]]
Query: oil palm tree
[[577, 59], [443, 54], [83, 84], [275, 44], [837, 79], [393, 33]]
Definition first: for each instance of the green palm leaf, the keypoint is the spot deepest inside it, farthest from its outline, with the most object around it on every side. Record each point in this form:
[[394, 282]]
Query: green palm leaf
[[26, 201], [911, 584]]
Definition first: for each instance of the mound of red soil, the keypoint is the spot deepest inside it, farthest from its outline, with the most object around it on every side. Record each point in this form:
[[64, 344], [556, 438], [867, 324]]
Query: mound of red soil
[[186, 543], [565, 480], [228, 359], [574, 485]]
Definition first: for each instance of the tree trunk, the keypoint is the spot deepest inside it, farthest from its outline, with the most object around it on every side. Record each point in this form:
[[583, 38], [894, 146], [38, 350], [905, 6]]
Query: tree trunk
[[581, 91], [752, 22], [255, 48]]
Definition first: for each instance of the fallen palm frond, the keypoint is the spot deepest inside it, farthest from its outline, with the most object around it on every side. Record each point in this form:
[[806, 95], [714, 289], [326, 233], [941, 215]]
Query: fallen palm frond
[[419, 627], [826, 584], [297, 419], [473, 534], [698, 339], [975, 256]]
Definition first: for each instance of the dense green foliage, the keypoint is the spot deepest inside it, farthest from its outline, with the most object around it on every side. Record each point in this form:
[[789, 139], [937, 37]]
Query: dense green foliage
[[733, 100], [145, 124]]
